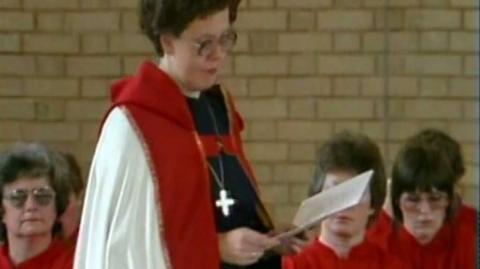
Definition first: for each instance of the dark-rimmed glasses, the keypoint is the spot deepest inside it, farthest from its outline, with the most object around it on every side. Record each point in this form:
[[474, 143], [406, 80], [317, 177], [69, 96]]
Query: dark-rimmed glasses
[[207, 47], [18, 197]]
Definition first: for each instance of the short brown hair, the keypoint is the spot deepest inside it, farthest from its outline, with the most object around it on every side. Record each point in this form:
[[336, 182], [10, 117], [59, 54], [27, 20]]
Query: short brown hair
[[356, 153], [158, 17]]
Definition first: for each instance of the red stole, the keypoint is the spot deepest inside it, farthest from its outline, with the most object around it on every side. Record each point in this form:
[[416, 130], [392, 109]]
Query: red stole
[[160, 113], [57, 256]]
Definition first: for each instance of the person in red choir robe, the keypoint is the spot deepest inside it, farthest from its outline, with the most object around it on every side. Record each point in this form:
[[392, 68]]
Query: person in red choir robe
[[170, 186], [33, 196], [70, 219], [431, 228], [341, 242]]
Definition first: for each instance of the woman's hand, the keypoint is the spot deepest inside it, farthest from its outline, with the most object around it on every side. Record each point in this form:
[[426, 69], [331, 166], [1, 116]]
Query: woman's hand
[[244, 246]]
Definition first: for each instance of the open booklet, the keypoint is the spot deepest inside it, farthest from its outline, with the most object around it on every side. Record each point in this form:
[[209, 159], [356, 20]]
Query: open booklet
[[328, 202]]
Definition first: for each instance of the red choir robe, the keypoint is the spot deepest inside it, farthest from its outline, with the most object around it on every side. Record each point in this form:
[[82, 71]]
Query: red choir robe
[[177, 155], [57, 256], [454, 246], [367, 255]]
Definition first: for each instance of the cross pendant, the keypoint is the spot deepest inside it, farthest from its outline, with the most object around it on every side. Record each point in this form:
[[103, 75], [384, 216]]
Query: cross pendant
[[224, 202]]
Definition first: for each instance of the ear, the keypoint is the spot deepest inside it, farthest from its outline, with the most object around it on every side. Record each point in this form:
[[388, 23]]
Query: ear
[[166, 41]]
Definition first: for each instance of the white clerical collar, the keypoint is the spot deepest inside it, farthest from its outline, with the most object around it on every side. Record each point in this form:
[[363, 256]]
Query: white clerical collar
[[192, 94]]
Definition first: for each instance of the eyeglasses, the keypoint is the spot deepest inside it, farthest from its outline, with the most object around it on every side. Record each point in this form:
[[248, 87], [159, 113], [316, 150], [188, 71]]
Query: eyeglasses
[[227, 40], [435, 200], [18, 197]]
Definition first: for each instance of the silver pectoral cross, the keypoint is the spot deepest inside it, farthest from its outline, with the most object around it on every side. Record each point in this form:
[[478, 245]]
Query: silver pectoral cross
[[224, 202]]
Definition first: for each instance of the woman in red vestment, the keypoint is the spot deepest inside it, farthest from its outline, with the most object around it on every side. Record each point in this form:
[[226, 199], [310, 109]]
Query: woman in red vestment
[[431, 227], [33, 196], [342, 242]]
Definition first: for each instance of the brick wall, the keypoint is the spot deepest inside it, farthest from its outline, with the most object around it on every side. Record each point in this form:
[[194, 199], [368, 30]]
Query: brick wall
[[301, 71]]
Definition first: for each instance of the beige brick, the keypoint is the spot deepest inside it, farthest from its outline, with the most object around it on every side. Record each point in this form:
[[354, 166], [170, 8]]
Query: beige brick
[[10, 4], [17, 109], [276, 194], [298, 192], [263, 172], [89, 132], [237, 86], [346, 42], [261, 65], [50, 21], [395, 17], [433, 109], [58, 132], [242, 44], [470, 65], [347, 4], [470, 19], [403, 41], [403, 86], [10, 131], [284, 214], [304, 131], [50, 4], [464, 3], [49, 110], [304, 42], [262, 20], [350, 20], [346, 87], [434, 65], [261, 87], [463, 87], [50, 65], [262, 130], [297, 173], [304, 3], [86, 109], [51, 43], [265, 108], [396, 108], [464, 131], [131, 42], [9, 43], [94, 43], [267, 151], [131, 64], [435, 3], [435, 124], [469, 152], [308, 86], [301, 20], [343, 65], [17, 65], [16, 21], [52, 87], [373, 129], [401, 130], [303, 108], [130, 21], [433, 19], [303, 64], [11, 87], [346, 108], [433, 87], [123, 3], [373, 86], [301, 152], [93, 66], [92, 21], [373, 41], [340, 126], [264, 41], [434, 41], [404, 3], [95, 88], [263, 4], [463, 41], [470, 110], [396, 64]]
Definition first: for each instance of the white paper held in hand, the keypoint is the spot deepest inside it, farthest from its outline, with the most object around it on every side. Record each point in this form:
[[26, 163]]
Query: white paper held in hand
[[328, 202]]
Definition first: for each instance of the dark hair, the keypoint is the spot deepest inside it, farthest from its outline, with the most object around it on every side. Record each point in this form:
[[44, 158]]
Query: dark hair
[[355, 153], [34, 160], [446, 143], [158, 17], [421, 167]]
